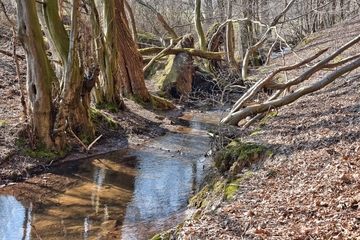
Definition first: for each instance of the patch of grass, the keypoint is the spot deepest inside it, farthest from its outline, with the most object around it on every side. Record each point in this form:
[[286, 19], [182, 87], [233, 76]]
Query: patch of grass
[[2, 123]]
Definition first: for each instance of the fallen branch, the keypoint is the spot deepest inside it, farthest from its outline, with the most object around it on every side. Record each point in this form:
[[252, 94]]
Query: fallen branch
[[87, 149], [194, 52], [236, 114], [257, 86], [159, 55], [234, 118]]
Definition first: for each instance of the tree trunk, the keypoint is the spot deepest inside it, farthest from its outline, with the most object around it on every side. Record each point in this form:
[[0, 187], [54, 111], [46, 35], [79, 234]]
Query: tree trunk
[[39, 72], [178, 76], [130, 60], [198, 25], [73, 111]]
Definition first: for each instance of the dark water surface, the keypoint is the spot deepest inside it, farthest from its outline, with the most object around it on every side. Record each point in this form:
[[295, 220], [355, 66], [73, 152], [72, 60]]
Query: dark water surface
[[127, 194]]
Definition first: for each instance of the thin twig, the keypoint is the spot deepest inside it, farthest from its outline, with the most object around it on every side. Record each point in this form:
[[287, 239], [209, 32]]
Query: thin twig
[[86, 149], [93, 142]]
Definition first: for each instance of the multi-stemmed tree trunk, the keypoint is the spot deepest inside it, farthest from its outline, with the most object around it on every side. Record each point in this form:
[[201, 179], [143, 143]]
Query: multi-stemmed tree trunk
[[56, 104]]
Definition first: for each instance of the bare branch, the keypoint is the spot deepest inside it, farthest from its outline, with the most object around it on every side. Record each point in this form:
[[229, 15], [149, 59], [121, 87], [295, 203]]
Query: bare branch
[[194, 52], [257, 86], [159, 55], [235, 115]]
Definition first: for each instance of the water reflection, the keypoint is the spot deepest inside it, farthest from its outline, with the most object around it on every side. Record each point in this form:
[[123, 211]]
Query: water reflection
[[126, 194], [15, 219], [99, 176], [168, 171]]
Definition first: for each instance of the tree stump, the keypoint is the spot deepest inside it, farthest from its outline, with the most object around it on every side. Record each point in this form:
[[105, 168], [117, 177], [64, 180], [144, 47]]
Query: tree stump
[[177, 79]]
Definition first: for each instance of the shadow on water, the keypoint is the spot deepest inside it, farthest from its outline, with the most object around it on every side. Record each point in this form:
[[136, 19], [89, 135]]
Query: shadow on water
[[132, 193]]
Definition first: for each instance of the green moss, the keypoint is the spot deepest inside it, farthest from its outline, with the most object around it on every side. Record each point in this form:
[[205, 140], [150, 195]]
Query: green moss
[[210, 193], [112, 124], [256, 132], [97, 118], [160, 103], [156, 237], [95, 115], [20, 142], [2, 123], [337, 59], [267, 118], [231, 189], [161, 93], [165, 78], [308, 40], [233, 186], [147, 37], [111, 107], [237, 151], [137, 99], [41, 152], [161, 236]]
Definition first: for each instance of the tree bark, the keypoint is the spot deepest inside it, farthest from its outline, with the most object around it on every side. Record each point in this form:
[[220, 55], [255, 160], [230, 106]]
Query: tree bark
[[179, 71], [198, 25], [73, 112], [130, 60], [39, 73]]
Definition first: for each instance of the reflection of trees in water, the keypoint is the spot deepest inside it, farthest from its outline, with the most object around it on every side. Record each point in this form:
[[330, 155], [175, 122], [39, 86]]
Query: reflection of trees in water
[[15, 219], [98, 179]]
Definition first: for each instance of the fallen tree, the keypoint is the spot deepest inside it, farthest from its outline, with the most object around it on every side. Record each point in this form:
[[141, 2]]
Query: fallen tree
[[238, 113], [192, 51]]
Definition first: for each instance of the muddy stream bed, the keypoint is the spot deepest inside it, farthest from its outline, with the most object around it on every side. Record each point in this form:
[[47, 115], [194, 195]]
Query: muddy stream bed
[[131, 193]]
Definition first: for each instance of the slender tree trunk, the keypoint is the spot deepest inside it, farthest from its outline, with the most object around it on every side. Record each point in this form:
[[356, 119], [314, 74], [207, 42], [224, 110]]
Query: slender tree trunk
[[198, 25]]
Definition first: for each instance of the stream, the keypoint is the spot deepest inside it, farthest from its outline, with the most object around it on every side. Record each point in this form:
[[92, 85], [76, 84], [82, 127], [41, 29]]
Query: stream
[[131, 193]]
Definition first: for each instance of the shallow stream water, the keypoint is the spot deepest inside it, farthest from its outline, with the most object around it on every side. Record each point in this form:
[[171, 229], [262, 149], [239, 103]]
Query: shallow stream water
[[131, 193]]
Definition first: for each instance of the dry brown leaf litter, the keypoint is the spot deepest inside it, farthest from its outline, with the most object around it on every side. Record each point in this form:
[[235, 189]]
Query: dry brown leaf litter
[[314, 189]]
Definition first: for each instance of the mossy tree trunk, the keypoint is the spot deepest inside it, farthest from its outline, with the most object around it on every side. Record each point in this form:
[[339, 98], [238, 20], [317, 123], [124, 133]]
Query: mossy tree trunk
[[198, 25], [72, 110], [49, 123], [108, 91], [179, 71], [40, 75]]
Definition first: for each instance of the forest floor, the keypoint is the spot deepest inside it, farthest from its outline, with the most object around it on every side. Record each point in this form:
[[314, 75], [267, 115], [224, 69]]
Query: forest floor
[[313, 191], [310, 188]]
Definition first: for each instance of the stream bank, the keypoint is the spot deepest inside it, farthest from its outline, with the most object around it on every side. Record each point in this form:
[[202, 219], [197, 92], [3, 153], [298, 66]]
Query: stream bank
[[131, 193]]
